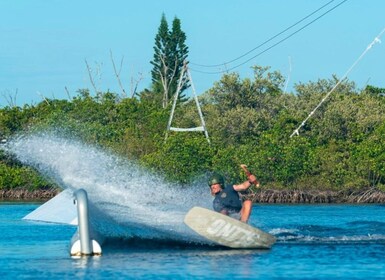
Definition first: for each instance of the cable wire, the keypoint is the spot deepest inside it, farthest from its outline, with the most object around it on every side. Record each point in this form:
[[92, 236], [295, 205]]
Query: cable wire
[[376, 40], [265, 42], [272, 46]]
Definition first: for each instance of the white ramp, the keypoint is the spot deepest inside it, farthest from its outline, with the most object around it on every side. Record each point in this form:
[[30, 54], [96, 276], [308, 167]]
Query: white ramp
[[60, 209]]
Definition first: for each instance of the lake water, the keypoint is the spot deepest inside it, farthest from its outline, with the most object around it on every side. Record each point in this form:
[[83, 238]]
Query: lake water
[[131, 203], [314, 242]]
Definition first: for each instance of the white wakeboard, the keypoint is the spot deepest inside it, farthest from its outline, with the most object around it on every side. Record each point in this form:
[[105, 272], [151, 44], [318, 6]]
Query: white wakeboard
[[227, 231]]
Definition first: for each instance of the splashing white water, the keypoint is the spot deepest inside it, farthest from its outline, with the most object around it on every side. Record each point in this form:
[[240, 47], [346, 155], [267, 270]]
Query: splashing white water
[[126, 200]]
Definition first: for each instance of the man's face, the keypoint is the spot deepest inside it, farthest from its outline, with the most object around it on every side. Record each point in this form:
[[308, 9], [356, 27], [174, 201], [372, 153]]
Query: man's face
[[215, 188]]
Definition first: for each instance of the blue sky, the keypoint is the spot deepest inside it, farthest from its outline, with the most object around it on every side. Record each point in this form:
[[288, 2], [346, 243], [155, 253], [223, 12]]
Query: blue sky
[[44, 44]]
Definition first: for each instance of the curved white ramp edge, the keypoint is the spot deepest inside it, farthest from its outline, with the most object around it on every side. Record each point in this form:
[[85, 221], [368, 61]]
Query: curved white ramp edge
[[60, 209]]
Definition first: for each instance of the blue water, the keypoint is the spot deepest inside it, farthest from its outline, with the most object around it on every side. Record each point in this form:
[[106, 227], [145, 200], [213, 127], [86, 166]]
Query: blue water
[[144, 213], [314, 242]]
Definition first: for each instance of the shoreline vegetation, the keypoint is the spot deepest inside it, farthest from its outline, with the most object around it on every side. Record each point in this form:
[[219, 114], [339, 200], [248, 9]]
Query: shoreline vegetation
[[301, 152], [263, 196], [21, 194], [337, 157], [319, 197]]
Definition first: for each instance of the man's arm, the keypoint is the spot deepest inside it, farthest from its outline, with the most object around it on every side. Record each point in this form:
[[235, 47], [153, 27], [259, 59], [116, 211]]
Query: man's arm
[[245, 185]]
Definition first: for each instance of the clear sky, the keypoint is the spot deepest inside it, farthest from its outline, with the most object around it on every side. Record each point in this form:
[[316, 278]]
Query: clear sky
[[44, 43]]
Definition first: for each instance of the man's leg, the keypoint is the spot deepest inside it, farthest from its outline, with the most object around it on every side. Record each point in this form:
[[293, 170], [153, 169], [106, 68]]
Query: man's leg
[[246, 210]]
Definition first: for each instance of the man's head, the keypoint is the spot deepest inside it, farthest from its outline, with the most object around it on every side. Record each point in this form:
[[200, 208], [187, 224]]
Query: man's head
[[216, 183]]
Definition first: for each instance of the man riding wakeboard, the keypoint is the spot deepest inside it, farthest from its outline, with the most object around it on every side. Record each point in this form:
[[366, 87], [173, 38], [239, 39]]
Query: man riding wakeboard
[[231, 200]]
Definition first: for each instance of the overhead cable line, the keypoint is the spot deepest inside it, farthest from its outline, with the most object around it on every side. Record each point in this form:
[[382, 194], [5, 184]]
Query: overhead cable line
[[265, 42], [272, 46], [376, 40]]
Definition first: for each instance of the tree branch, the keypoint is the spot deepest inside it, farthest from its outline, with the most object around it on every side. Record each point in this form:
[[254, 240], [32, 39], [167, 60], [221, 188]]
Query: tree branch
[[133, 90], [117, 74], [11, 100], [68, 93], [91, 77]]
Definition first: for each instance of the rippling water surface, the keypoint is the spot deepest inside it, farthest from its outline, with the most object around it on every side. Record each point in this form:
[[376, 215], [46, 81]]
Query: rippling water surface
[[314, 242], [141, 216]]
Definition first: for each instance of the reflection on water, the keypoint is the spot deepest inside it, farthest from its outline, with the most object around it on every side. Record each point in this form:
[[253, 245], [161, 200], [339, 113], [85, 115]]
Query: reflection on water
[[82, 262]]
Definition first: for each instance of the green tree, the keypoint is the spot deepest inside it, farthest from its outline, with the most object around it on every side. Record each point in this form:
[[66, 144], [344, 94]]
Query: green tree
[[375, 91], [370, 158], [182, 158], [161, 53], [170, 54], [238, 111], [179, 53]]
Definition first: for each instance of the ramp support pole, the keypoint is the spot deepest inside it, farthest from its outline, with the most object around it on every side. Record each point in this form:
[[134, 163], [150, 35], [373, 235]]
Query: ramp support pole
[[82, 244]]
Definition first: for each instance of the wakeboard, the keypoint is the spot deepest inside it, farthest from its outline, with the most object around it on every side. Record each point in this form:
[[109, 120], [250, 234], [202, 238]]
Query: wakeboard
[[226, 231]]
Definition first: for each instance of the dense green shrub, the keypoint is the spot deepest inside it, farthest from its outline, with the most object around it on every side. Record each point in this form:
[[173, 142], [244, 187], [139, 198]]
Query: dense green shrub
[[181, 158], [249, 122]]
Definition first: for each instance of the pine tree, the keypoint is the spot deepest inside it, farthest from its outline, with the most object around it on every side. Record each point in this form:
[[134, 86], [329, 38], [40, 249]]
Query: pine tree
[[170, 52], [179, 53]]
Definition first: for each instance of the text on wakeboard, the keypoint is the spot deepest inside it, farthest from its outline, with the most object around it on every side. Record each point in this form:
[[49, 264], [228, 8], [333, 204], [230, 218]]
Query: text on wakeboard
[[220, 228]]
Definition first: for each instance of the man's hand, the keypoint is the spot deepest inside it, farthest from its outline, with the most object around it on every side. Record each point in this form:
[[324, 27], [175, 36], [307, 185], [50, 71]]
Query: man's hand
[[252, 179]]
